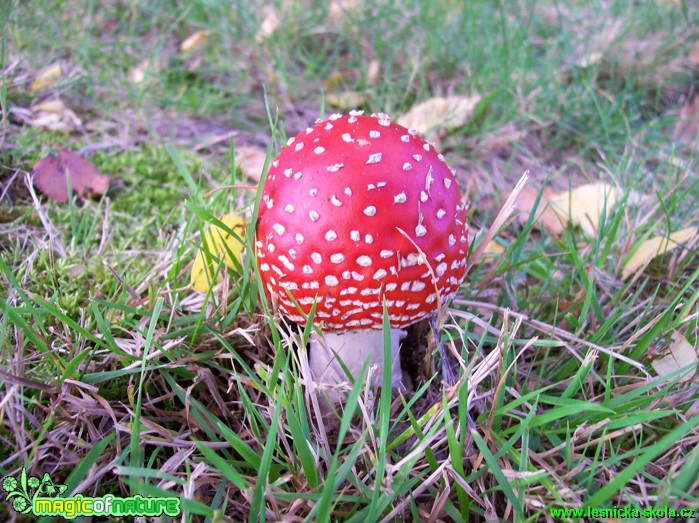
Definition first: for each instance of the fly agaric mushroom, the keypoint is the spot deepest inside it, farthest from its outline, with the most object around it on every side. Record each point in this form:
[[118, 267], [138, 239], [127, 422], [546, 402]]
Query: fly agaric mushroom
[[358, 211]]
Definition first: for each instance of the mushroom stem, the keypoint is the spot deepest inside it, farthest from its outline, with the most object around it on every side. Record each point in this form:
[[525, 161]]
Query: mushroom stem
[[353, 348]]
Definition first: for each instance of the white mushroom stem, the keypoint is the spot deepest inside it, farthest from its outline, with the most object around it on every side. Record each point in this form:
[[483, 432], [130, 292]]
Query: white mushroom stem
[[353, 348]]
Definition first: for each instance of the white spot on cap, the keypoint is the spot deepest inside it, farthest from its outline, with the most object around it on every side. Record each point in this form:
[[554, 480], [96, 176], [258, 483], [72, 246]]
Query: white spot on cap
[[440, 156], [400, 198], [417, 157], [370, 187], [369, 238], [328, 126], [364, 261], [264, 267], [381, 273], [347, 137], [426, 146], [348, 191], [319, 150], [391, 287], [357, 277], [275, 163], [381, 184], [330, 235], [441, 213], [313, 215], [346, 276], [309, 130], [297, 175], [290, 140], [354, 235], [440, 256], [316, 257], [370, 211], [286, 262], [351, 119], [423, 196], [441, 268], [313, 191], [417, 286], [452, 240], [405, 138], [298, 146], [299, 238], [407, 166], [335, 201], [337, 257], [420, 230], [374, 158], [374, 134], [385, 122], [331, 280], [289, 208], [279, 228], [336, 167], [412, 131], [447, 182], [288, 172], [356, 112], [386, 253], [271, 247]]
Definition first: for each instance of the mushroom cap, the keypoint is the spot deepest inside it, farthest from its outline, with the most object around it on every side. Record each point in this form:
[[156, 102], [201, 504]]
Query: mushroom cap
[[357, 210]]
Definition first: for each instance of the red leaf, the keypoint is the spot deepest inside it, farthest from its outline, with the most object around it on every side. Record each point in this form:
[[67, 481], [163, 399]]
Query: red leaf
[[50, 176]]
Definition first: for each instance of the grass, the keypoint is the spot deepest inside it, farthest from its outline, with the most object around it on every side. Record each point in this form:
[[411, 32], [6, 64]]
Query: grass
[[117, 378]]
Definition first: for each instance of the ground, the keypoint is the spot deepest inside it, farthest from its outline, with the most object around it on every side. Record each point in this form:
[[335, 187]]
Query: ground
[[116, 376]]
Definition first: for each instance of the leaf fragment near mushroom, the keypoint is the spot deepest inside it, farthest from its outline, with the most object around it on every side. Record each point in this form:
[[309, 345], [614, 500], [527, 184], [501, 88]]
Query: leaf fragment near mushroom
[[680, 354], [654, 247], [546, 216], [440, 113], [218, 244], [54, 115], [46, 78], [194, 41], [251, 161], [585, 205]]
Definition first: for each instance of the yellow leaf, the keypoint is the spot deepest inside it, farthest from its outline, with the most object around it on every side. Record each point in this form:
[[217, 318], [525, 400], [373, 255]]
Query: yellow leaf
[[680, 355], [493, 248], [346, 100], [250, 160], [217, 244], [653, 247], [194, 41], [546, 216], [269, 25], [585, 205], [440, 113], [46, 78]]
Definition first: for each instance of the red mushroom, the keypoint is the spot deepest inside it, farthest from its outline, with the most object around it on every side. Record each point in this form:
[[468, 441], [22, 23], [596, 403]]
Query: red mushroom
[[358, 211]]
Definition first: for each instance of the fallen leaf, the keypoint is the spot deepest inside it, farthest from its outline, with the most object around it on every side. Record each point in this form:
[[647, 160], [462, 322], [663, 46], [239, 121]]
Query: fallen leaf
[[194, 41], [270, 23], [546, 215], [345, 100], [493, 248], [46, 78], [339, 8], [585, 205], [694, 54], [656, 246], [439, 113], [251, 161], [143, 71], [218, 244], [49, 175], [681, 353], [372, 72], [687, 121], [54, 115]]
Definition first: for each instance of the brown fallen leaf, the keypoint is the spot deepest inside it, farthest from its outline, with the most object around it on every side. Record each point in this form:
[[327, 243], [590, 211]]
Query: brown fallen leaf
[[680, 354], [194, 41], [250, 160], [546, 216], [46, 78], [439, 113], [656, 246], [585, 205], [49, 175], [54, 115]]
